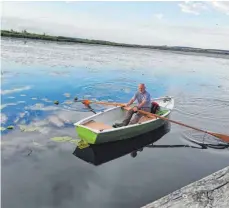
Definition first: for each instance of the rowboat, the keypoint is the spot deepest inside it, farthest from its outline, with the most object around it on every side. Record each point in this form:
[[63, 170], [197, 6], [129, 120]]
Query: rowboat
[[97, 129]]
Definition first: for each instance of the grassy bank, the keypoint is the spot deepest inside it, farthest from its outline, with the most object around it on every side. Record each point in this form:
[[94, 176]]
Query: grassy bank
[[27, 35]]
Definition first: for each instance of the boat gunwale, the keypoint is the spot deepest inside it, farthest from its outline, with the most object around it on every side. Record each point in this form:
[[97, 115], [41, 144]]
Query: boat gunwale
[[79, 123]]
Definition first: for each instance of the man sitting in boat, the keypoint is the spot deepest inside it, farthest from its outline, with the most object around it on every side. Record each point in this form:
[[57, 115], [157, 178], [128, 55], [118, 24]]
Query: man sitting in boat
[[144, 103]]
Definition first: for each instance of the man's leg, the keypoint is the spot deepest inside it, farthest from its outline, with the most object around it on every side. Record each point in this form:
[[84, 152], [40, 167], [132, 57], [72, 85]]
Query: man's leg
[[128, 117], [126, 120], [138, 116]]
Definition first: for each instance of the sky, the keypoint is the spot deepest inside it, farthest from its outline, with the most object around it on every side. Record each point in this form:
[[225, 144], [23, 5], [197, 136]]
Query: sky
[[203, 24]]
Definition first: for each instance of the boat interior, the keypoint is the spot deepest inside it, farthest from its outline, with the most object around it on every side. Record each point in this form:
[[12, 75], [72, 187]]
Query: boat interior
[[105, 120]]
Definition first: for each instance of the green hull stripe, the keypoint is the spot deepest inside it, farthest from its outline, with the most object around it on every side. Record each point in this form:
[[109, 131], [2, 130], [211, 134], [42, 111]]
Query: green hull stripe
[[161, 112], [86, 135]]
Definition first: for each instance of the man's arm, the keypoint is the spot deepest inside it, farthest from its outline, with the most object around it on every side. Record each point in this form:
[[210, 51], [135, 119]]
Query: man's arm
[[132, 100], [142, 103], [146, 98]]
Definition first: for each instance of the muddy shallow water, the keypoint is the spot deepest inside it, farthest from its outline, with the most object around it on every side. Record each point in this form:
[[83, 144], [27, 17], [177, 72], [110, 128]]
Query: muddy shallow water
[[40, 169]]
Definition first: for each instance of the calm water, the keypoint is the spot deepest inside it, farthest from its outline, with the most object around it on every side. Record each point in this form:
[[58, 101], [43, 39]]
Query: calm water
[[41, 170]]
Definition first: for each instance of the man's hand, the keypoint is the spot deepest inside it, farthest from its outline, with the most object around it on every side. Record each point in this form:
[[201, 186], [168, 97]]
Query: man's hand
[[127, 106], [130, 102], [135, 109]]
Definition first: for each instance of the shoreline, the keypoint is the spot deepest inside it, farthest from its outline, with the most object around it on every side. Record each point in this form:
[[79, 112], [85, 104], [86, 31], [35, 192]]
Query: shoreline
[[44, 37]]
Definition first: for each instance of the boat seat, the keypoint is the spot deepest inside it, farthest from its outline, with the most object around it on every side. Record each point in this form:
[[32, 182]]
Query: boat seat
[[97, 125], [145, 118]]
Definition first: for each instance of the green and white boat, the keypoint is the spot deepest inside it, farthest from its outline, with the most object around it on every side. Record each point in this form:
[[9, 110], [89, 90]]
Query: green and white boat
[[97, 129]]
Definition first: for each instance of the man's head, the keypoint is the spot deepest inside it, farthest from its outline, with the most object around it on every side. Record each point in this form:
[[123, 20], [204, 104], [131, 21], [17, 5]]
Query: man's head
[[141, 88]]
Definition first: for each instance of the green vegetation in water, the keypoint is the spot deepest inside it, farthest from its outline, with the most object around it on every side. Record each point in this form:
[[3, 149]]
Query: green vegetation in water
[[79, 143], [3, 128], [28, 35], [65, 139], [25, 128]]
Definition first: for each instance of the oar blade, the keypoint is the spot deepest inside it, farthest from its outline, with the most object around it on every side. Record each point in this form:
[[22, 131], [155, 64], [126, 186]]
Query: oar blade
[[86, 102], [223, 137]]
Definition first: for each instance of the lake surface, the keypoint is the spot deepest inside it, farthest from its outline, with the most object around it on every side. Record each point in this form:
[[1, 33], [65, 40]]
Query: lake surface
[[39, 169]]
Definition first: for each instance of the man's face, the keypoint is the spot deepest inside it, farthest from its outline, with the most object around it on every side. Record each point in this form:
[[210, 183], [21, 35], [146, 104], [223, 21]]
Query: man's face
[[141, 88]]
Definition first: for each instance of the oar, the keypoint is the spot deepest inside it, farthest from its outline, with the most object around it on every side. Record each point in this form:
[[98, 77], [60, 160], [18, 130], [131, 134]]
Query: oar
[[88, 102], [91, 109], [220, 136], [223, 137]]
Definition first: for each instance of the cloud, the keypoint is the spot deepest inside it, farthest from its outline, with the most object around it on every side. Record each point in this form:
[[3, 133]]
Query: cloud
[[4, 92], [42, 107], [159, 16], [193, 7], [197, 7], [3, 118], [7, 104], [221, 6], [56, 121]]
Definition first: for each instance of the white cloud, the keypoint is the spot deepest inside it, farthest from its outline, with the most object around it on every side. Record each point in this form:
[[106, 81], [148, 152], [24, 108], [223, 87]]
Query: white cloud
[[197, 7], [4, 92], [41, 106], [51, 16], [7, 104], [193, 7], [3, 118], [221, 6], [159, 16]]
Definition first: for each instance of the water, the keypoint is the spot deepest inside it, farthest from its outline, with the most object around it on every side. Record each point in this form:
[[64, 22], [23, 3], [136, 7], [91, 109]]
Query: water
[[38, 170]]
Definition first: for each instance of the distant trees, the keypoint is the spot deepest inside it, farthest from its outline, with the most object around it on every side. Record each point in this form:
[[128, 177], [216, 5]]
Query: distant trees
[[25, 34]]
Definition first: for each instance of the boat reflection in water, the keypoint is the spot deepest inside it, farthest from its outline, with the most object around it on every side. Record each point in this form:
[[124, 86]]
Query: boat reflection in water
[[102, 153]]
